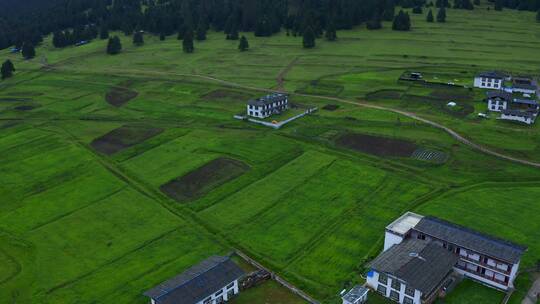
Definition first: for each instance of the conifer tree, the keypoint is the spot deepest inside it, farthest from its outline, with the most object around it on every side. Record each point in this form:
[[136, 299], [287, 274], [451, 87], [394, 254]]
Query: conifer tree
[[441, 15], [187, 43], [233, 35], [138, 38], [28, 51], [7, 69], [103, 32], [162, 36], [417, 10], [308, 38], [244, 44], [201, 31], [402, 22], [330, 33], [389, 10], [59, 39], [114, 46], [374, 23], [429, 17]]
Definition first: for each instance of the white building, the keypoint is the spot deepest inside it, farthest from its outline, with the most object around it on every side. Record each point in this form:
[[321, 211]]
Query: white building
[[524, 85], [213, 281], [411, 272], [523, 116], [492, 261], [490, 80], [268, 105], [357, 295], [498, 100]]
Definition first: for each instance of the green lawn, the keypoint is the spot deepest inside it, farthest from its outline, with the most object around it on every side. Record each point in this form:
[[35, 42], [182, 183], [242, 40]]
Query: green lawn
[[80, 226], [469, 292], [267, 293]]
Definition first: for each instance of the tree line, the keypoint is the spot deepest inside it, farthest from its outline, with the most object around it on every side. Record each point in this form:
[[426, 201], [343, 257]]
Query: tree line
[[73, 21]]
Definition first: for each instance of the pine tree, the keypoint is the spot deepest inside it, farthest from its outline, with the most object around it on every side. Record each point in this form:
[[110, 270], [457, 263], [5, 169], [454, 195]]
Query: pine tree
[[330, 33], [374, 23], [201, 31], [28, 51], [244, 44], [402, 22], [187, 43], [417, 10], [162, 36], [233, 35], [429, 17], [103, 32], [441, 15], [59, 39], [7, 69], [114, 46], [309, 38], [389, 11], [138, 38], [498, 5]]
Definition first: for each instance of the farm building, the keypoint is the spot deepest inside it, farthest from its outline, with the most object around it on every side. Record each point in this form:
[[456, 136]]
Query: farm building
[[524, 116], [213, 281], [268, 105], [490, 80], [524, 85], [498, 100], [411, 272], [484, 258], [357, 295]]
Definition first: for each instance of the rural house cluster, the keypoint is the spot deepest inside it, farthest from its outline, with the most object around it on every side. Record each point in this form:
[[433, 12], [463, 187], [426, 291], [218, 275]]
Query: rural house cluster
[[513, 97], [424, 257]]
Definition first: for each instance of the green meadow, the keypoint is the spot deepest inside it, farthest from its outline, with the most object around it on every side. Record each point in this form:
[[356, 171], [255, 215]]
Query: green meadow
[[81, 226]]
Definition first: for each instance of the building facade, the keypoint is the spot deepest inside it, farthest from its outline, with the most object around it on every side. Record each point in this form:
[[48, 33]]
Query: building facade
[[213, 281], [522, 116], [492, 261], [498, 100], [490, 80], [268, 105]]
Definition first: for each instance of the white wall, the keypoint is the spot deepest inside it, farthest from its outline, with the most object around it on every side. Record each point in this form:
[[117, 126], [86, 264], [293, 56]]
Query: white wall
[[391, 239], [224, 290], [517, 118], [373, 282], [488, 83]]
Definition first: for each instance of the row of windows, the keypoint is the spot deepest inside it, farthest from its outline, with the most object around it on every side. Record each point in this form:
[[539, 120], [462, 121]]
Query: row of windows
[[276, 104], [490, 80], [394, 295], [383, 279], [495, 85], [219, 299]]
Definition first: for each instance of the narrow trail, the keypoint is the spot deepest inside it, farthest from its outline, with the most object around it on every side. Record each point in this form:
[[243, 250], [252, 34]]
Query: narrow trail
[[281, 77], [414, 116], [533, 294]]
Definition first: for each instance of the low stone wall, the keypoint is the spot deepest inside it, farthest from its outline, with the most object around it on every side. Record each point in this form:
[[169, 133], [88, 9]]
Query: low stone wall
[[276, 125]]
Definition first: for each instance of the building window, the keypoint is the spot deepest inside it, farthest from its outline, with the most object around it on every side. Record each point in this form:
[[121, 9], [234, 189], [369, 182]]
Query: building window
[[394, 295], [218, 293], [409, 291], [383, 278], [407, 300], [381, 289], [396, 284], [208, 300], [230, 285], [251, 113]]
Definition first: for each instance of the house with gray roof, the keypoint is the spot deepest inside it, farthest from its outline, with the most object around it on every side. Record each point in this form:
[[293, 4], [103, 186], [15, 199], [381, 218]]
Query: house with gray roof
[[498, 100], [524, 116], [490, 80], [481, 257], [524, 85], [268, 105], [411, 272], [213, 281]]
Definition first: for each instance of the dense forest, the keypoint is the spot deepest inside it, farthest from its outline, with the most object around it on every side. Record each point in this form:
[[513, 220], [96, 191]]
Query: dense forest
[[76, 20]]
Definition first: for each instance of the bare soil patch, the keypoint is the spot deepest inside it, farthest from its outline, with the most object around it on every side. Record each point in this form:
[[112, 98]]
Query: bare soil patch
[[123, 138], [225, 94], [202, 180], [120, 95], [375, 145], [331, 107]]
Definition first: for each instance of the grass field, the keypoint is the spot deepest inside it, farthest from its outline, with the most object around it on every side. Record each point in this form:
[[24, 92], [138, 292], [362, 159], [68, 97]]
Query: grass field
[[88, 141]]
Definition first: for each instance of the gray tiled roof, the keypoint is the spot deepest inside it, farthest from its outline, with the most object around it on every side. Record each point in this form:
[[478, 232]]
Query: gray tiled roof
[[470, 239], [526, 101], [268, 99], [522, 113], [197, 282], [524, 86], [501, 94], [355, 293], [492, 74], [421, 264]]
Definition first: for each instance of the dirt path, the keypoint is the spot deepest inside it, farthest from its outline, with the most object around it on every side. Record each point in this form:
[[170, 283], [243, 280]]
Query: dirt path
[[281, 77], [414, 116], [533, 294]]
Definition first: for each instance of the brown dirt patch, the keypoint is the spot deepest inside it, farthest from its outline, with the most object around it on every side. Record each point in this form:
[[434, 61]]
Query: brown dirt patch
[[225, 94], [331, 107], [120, 95], [202, 180], [375, 145], [123, 138]]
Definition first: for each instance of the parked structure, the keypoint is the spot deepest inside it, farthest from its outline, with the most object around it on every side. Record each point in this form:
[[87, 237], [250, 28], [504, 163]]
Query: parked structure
[[490, 80], [213, 281], [484, 258], [498, 100], [357, 295], [411, 272], [268, 105], [523, 116]]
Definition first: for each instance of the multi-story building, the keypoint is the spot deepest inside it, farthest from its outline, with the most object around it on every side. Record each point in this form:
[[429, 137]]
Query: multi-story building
[[492, 261], [498, 100], [490, 80], [213, 281], [268, 105]]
